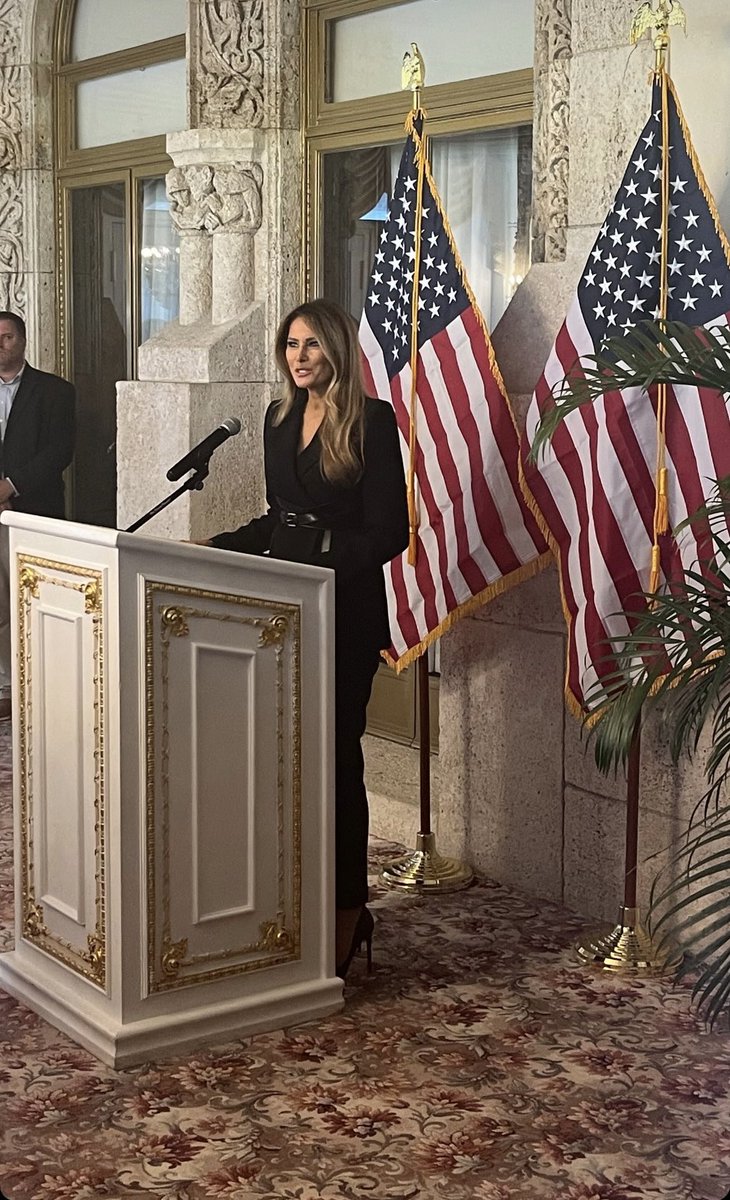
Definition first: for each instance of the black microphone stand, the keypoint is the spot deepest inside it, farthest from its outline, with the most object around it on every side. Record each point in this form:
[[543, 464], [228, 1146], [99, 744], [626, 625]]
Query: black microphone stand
[[194, 482]]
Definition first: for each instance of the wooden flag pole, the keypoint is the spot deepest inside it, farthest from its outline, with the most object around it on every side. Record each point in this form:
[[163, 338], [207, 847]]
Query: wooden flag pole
[[424, 869], [424, 744], [628, 948], [631, 856]]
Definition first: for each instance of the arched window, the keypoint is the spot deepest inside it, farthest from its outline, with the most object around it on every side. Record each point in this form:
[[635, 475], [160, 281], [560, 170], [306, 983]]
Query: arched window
[[120, 87]]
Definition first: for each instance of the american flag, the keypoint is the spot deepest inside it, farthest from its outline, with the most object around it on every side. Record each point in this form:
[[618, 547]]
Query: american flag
[[595, 487], [476, 536]]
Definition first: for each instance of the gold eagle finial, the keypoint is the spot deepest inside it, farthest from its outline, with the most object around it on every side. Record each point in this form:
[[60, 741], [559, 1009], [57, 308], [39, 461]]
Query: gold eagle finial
[[646, 17], [413, 70]]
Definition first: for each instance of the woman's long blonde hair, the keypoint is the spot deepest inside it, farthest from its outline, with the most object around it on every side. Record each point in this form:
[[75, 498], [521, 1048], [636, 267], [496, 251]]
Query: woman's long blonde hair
[[340, 433]]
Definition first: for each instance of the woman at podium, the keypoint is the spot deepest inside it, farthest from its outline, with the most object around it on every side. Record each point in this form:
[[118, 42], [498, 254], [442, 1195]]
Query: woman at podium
[[336, 498]]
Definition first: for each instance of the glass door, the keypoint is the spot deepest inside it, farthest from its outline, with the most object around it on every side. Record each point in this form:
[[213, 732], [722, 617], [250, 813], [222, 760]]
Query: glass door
[[122, 284], [99, 341]]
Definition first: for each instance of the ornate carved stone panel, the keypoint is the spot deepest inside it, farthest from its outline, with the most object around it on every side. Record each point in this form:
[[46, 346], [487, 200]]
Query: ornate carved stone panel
[[228, 88], [12, 278], [12, 271], [10, 18], [10, 117], [553, 26]]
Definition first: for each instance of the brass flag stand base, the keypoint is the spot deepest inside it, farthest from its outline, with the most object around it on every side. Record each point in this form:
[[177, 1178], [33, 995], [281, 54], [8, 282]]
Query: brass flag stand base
[[425, 870], [628, 949]]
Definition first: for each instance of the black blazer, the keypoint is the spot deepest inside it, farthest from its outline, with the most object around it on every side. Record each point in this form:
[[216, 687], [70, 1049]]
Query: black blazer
[[366, 524], [39, 442]]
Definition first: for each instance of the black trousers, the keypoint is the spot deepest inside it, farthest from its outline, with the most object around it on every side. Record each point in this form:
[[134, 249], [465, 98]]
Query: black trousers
[[355, 667]]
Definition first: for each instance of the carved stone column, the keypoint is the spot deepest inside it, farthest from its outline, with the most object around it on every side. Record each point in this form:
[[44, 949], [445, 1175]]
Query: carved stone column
[[27, 222], [245, 71], [216, 196], [195, 374], [234, 216], [553, 21], [188, 189], [12, 275]]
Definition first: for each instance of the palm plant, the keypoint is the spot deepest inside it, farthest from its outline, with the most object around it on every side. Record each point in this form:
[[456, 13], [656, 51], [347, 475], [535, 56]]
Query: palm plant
[[676, 658], [653, 352]]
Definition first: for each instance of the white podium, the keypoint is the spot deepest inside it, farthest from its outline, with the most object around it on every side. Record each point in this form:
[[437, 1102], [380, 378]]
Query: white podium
[[173, 790]]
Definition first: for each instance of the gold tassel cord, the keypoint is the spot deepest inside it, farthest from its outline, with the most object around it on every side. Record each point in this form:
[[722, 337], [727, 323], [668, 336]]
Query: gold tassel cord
[[661, 504], [413, 516], [661, 511]]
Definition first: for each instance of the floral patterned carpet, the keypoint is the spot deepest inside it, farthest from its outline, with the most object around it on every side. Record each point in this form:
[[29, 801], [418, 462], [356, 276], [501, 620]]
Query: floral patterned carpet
[[477, 1062]]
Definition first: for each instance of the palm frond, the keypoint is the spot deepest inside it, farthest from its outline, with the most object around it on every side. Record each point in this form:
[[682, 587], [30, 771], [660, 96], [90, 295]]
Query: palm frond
[[690, 901], [677, 655], [654, 352]]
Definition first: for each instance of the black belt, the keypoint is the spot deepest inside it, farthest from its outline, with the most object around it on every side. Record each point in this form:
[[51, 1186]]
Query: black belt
[[311, 520]]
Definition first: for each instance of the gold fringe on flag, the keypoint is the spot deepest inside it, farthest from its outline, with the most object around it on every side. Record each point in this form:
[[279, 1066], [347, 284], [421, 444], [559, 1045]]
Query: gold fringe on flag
[[498, 588]]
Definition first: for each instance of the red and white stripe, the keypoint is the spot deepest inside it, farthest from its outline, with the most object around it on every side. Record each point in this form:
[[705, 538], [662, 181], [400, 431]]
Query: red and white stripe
[[476, 534], [595, 487]]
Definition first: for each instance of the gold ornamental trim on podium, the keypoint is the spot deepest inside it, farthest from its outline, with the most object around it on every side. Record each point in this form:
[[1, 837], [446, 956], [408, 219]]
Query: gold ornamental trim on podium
[[169, 615], [90, 961]]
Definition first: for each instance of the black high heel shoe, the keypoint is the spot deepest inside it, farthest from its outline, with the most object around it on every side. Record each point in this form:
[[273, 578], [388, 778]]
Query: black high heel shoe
[[363, 933]]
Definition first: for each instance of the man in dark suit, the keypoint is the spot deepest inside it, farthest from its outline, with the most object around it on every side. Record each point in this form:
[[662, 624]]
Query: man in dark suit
[[37, 432]]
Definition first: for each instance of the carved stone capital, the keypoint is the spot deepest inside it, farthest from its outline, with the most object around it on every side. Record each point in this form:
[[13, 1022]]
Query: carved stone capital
[[204, 198], [188, 190], [235, 202]]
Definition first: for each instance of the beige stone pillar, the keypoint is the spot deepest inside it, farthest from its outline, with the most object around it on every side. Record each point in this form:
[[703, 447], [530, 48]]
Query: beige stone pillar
[[189, 188], [196, 292], [234, 216], [233, 274]]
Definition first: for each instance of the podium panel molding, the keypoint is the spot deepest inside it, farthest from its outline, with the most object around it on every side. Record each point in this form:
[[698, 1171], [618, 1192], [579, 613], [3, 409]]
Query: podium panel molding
[[71, 594], [170, 617]]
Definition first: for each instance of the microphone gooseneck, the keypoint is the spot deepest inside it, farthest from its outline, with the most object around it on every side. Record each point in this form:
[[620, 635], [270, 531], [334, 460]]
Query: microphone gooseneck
[[200, 454]]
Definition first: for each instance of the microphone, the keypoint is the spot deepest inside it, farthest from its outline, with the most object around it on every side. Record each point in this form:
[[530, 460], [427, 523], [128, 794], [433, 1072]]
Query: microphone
[[202, 452]]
